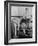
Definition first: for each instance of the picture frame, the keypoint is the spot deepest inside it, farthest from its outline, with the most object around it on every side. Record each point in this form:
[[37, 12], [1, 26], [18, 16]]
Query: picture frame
[[8, 12]]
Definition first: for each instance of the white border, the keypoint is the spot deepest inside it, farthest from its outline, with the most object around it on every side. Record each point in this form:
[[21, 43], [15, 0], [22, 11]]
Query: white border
[[26, 39]]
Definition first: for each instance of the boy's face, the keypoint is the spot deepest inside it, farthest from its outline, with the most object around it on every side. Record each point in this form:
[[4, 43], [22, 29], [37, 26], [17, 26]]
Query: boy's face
[[23, 26]]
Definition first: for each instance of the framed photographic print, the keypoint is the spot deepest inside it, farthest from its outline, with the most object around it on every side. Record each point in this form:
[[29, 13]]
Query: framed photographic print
[[20, 22]]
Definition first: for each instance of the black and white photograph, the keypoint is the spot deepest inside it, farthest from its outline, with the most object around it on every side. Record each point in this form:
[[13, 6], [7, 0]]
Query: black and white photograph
[[20, 22]]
